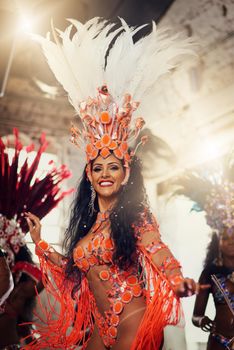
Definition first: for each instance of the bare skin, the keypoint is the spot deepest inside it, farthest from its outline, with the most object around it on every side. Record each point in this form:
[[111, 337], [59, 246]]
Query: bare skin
[[107, 176], [223, 322]]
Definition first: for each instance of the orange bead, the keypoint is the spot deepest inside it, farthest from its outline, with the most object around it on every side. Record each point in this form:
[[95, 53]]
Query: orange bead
[[131, 280], [105, 152], [104, 275], [126, 297], [105, 118], [113, 332], [118, 307], [106, 140], [79, 252]]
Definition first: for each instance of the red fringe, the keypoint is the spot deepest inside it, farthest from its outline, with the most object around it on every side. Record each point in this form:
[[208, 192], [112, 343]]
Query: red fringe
[[60, 328], [163, 306]]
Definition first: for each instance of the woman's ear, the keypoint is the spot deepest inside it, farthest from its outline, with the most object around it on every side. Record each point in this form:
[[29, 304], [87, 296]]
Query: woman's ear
[[88, 172]]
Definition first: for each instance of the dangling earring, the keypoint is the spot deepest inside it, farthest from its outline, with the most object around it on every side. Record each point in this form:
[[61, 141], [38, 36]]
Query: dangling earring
[[92, 200], [220, 258]]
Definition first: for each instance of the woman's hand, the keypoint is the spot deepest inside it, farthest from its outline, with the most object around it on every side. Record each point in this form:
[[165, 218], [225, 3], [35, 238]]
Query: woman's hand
[[187, 287], [34, 225], [204, 322], [207, 325]]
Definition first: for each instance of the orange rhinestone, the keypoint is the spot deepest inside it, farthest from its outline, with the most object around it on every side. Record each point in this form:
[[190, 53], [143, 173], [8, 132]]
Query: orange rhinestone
[[113, 332], [131, 280], [78, 253], [94, 154], [124, 147], [105, 118], [113, 145], [114, 320], [89, 248], [92, 260], [104, 275], [96, 242], [89, 148], [106, 257], [98, 144], [108, 244], [105, 152], [118, 153], [85, 264], [118, 307], [106, 140], [126, 297], [136, 290]]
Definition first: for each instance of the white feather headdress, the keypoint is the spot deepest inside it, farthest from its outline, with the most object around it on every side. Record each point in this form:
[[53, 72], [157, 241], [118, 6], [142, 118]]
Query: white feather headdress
[[101, 55]]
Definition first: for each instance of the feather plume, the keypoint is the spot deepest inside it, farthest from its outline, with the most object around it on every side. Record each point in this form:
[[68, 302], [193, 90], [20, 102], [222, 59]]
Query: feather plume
[[99, 53]]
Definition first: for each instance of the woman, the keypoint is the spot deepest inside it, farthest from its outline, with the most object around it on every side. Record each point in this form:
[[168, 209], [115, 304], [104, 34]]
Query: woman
[[6, 281], [118, 284], [220, 263], [212, 191], [20, 188], [17, 314]]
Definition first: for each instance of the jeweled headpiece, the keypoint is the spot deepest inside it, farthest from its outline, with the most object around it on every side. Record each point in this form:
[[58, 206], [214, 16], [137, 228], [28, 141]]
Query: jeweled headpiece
[[104, 71], [212, 190], [21, 190]]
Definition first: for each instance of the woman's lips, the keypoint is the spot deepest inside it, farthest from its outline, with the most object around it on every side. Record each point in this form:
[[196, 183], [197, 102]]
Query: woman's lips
[[105, 183]]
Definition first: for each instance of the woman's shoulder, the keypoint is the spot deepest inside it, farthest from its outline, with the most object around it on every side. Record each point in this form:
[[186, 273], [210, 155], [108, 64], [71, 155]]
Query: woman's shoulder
[[147, 226]]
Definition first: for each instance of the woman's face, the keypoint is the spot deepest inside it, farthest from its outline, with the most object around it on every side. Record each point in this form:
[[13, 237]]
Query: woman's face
[[226, 244], [106, 176]]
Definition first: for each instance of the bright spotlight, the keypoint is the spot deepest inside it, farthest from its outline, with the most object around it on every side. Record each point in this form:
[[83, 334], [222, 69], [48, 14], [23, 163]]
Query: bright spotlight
[[25, 24], [211, 149]]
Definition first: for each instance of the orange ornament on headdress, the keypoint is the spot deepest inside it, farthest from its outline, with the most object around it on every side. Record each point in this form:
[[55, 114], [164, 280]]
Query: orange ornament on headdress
[[107, 127]]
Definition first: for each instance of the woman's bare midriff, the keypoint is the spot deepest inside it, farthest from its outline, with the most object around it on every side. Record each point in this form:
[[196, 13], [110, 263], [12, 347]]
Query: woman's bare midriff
[[130, 317]]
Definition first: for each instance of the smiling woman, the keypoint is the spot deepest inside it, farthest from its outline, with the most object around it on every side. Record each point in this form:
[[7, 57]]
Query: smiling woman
[[106, 178], [118, 284]]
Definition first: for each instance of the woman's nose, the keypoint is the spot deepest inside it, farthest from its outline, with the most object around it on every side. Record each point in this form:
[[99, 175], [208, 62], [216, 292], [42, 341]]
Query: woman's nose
[[105, 172]]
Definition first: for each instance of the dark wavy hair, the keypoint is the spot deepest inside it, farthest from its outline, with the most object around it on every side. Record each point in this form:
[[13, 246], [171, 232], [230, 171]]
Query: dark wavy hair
[[212, 250], [132, 201]]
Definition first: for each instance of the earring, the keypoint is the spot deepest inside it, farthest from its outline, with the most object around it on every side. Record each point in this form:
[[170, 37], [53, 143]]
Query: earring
[[92, 200], [220, 259]]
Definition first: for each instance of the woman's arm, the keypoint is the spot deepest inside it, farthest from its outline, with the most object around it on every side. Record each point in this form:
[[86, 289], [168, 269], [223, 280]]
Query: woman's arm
[[6, 280], [42, 247], [199, 319], [166, 262]]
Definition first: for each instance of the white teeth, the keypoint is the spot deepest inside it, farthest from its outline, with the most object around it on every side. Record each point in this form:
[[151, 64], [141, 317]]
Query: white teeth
[[106, 183]]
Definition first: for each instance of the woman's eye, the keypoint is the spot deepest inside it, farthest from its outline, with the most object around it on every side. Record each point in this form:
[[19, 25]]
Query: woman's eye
[[96, 170], [114, 167]]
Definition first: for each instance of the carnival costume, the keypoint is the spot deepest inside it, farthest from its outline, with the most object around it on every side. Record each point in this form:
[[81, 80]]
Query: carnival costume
[[22, 189], [104, 71], [212, 190]]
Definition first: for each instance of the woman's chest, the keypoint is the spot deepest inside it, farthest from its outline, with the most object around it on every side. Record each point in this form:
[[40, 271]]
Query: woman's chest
[[94, 249]]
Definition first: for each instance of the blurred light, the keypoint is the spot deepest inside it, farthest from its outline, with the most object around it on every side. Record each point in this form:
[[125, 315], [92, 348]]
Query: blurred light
[[26, 24], [210, 149]]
